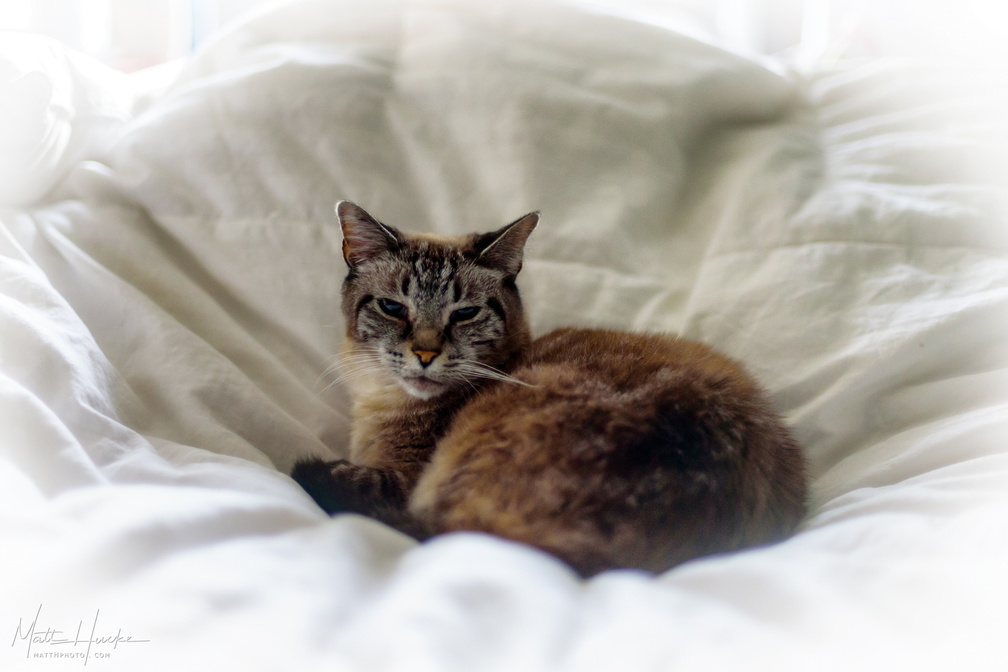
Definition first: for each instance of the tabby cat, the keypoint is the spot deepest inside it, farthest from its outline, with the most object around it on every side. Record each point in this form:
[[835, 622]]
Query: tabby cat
[[606, 449]]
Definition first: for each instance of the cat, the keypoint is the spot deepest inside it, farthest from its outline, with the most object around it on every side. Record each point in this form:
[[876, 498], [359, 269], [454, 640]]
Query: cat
[[604, 448]]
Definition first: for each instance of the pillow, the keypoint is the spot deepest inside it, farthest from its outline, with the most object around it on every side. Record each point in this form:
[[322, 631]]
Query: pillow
[[450, 117], [57, 107]]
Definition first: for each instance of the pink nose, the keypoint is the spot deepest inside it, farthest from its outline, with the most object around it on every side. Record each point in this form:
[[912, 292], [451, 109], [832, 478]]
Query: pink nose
[[426, 356]]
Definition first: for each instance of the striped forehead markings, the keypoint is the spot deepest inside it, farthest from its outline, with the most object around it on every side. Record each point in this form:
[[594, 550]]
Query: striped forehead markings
[[435, 275]]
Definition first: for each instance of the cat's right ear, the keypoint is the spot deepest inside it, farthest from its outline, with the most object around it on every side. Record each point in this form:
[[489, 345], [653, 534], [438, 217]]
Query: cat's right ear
[[364, 237], [503, 248]]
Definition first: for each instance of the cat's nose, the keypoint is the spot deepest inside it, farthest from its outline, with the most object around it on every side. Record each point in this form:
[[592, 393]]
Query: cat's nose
[[426, 356], [426, 345]]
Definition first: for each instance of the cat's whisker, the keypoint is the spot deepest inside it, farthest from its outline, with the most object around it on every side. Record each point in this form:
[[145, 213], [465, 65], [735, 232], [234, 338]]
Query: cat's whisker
[[352, 361], [478, 369], [348, 366], [358, 351], [357, 367], [344, 366], [470, 384], [370, 353], [338, 360], [353, 375]]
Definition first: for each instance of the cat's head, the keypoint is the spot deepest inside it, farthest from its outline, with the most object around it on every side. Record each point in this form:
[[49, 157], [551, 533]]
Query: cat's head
[[436, 313]]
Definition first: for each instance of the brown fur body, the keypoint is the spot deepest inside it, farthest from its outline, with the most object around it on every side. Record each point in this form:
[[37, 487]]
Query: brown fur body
[[612, 450], [631, 451]]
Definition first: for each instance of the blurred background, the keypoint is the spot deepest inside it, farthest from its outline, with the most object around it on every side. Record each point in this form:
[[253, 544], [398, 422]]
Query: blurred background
[[135, 34]]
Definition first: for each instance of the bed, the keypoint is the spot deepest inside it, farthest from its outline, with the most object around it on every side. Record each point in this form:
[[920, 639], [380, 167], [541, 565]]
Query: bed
[[169, 283]]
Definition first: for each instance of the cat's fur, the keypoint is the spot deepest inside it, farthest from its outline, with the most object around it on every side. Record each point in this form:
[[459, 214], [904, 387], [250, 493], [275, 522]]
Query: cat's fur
[[606, 449]]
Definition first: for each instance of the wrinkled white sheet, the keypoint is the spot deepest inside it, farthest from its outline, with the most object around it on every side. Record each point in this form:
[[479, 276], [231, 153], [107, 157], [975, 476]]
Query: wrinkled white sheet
[[167, 308]]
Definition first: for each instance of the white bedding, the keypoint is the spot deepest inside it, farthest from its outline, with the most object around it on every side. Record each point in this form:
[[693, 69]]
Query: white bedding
[[169, 298]]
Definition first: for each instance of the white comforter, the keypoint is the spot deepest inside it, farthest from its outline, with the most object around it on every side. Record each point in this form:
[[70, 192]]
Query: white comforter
[[169, 277]]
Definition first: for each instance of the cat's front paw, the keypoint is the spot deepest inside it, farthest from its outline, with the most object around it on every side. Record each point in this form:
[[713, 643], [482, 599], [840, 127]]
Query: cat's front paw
[[329, 482]]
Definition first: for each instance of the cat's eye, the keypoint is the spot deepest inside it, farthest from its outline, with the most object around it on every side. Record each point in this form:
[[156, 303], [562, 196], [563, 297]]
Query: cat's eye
[[393, 308], [463, 314]]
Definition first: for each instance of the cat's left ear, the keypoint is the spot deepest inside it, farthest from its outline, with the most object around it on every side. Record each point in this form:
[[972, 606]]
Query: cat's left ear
[[364, 237], [503, 249]]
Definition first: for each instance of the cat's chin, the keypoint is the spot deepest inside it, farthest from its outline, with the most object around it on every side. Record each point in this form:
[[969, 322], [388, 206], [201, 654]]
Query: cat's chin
[[422, 388]]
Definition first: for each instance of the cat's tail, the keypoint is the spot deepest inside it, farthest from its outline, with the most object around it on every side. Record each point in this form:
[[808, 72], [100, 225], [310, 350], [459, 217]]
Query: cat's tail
[[338, 486]]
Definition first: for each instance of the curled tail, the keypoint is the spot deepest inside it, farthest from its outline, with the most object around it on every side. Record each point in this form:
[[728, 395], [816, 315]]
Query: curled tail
[[338, 486]]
